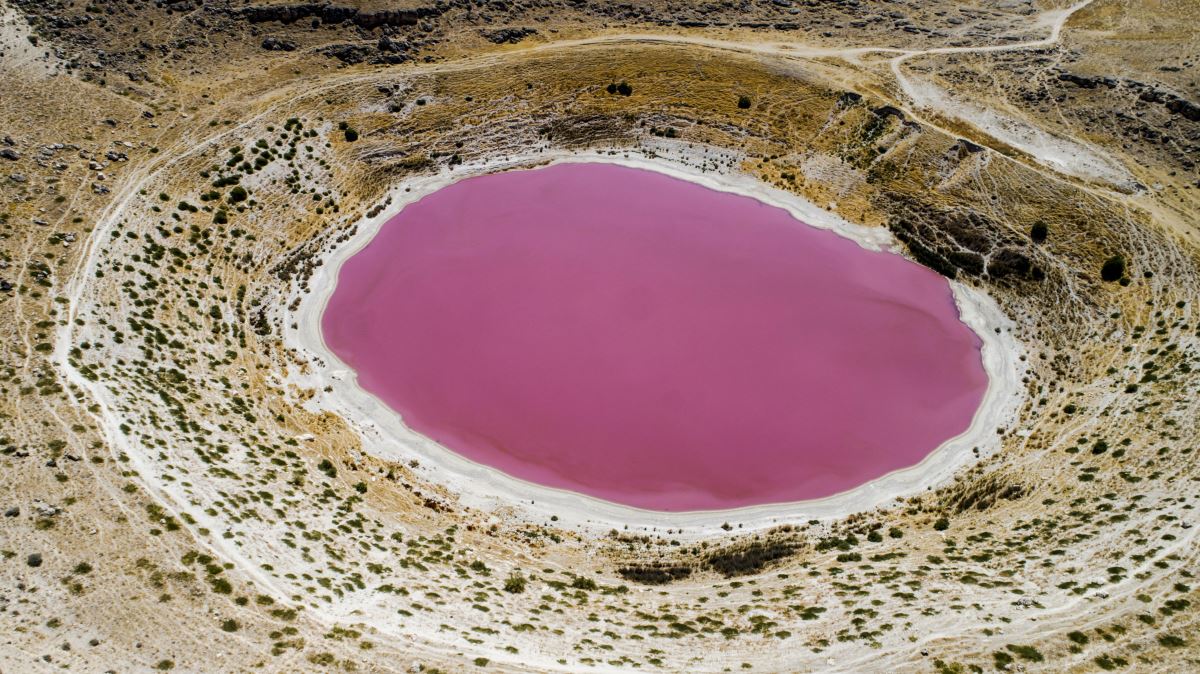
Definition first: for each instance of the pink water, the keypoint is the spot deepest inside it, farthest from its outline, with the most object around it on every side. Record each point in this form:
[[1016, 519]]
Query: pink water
[[652, 342]]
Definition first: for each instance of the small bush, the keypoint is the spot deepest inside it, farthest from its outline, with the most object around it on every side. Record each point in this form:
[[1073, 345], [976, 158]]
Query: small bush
[[744, 102], [1171, 641], [1028, 653], [326, 466], [1039, 231], [1113, 269], [581, 583], [515, 583], [324, 658], [941, 524]]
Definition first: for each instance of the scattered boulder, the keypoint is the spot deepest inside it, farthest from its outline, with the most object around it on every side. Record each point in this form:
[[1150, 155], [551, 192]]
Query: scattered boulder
[[335, 14], [507, 35], [278, 44], [350, 54], [12, 512], [390, 44], [848, 98], [970, 147], [888, 111], [45, 509], [34, 560], [10, 154], [1087, 82], [391, 50], [1188, 109]]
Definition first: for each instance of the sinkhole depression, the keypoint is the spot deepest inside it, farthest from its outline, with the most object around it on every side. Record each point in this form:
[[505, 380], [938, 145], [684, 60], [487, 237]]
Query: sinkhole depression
[[651, 342]]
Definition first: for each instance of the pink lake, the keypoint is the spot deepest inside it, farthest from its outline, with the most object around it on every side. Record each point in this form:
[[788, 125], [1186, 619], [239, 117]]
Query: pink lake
[[649, 341]]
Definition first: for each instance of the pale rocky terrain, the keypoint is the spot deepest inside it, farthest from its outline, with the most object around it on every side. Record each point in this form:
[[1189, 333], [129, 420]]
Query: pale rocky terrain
[[180, 491]]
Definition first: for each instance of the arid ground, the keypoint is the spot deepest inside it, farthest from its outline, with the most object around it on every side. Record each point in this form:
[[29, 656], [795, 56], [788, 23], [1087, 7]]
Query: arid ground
[[186, 484]]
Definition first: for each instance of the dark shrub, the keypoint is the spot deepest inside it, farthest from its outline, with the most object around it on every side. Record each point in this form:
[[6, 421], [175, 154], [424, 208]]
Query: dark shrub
[[654, 574], [1028, 653], [742, 560], [1113, 269]]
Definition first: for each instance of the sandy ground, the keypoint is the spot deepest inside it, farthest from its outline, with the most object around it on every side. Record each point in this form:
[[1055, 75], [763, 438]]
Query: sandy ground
[[385, 434]]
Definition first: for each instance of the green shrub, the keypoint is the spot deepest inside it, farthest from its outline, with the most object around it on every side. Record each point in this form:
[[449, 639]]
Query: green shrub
[[1171, 641], [515, 583], [581, 583], [1028, 653]]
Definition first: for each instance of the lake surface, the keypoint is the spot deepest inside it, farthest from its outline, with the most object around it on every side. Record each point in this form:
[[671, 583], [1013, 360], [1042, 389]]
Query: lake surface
[[651, 342]]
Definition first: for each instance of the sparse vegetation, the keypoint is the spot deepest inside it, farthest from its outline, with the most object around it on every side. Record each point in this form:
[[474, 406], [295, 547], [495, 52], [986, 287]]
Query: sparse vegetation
[[171, 448]]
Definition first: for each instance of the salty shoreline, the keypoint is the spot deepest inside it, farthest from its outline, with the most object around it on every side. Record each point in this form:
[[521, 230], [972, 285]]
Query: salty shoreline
[[486, 488]]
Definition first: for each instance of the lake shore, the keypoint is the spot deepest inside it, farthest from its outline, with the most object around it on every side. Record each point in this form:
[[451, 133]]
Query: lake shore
[[480, 486]]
